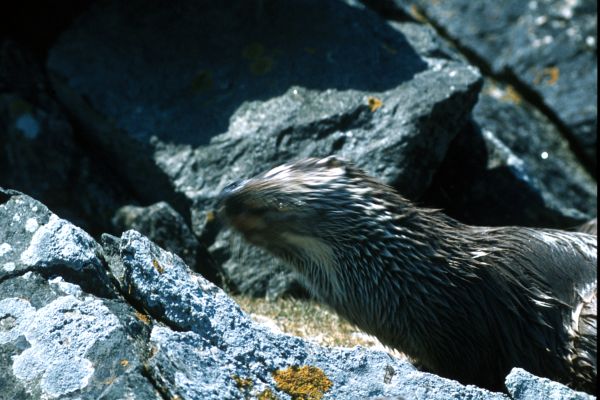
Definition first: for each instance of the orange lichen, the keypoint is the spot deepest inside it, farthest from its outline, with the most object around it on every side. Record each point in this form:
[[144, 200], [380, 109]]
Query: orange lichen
[[302, 383], [142, 317], [511, 94], [549, 76], [210, 216], [374, 103]]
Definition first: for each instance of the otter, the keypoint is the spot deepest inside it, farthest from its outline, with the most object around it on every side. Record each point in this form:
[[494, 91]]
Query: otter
[[467, 303]]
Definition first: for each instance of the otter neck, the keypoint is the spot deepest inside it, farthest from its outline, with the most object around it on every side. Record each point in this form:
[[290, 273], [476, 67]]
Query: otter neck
[[414, 251]]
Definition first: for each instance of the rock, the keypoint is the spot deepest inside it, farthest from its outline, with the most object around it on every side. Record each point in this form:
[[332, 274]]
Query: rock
[[206, 347], [167, 228], [34, 239], [40, 154], [547, 48], [512, 151], [383, 94], [522, 385], [58, 340]]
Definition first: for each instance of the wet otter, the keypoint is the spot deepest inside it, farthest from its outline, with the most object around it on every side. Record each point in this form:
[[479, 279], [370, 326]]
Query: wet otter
[[468, 303]]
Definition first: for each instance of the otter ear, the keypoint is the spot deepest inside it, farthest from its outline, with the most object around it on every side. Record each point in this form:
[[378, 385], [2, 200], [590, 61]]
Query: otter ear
[[332, 162]]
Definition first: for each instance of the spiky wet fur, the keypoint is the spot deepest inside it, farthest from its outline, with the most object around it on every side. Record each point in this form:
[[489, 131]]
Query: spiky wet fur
[[468, 303]]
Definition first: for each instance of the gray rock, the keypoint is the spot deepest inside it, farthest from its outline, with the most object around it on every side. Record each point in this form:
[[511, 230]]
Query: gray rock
[[161, 224], [34, 239], [57, 340], [522, 385], [548, 48], [40, 154], [208, 348], [512, 167]]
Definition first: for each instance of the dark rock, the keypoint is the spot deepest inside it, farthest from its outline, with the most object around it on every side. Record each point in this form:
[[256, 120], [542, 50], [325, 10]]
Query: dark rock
[[39, 154], [522, 385], [548, 48], [208, 348], [512, 167], [218, 59]]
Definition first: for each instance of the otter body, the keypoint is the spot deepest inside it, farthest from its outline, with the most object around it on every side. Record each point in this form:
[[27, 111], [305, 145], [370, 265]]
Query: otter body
[[468, 303]]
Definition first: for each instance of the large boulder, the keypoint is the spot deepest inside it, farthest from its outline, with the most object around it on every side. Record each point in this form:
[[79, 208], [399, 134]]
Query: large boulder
[[57, 339], [548, 49]]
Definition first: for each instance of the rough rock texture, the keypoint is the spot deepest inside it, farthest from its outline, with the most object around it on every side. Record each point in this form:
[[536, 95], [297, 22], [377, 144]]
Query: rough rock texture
[[511, 166], [34, 239], [165, 227], [522, 385], [548, 48], [39, 154], [56, 340]]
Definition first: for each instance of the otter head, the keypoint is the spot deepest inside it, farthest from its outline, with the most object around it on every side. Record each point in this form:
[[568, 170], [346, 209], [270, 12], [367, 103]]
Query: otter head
[[304, 211]]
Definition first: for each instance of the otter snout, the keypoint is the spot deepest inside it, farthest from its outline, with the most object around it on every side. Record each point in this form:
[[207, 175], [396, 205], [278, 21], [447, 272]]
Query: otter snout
[[234, 209]]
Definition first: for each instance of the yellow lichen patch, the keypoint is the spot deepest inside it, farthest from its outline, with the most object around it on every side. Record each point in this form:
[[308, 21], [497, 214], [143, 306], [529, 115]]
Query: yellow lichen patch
[[302, 383], [310, 50], [142, 317], [124, 363], [511, 94], [242, 383], [267, 394], [374, 103], [549, 76], [210, 216], [157, 266]]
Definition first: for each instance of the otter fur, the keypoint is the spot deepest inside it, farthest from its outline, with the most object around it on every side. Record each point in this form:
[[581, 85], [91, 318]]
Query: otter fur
[[468, 303]]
